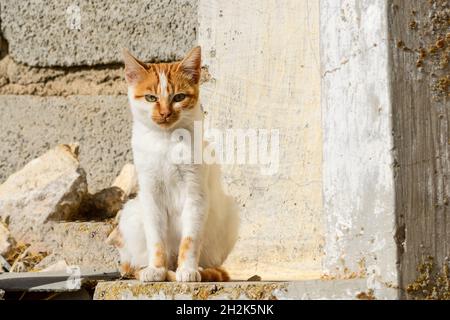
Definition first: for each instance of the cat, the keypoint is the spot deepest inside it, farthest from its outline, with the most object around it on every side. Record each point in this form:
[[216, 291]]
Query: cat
[[181, 226]]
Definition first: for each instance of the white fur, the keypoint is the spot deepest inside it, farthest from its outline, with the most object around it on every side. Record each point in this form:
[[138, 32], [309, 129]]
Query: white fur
[[163, 84], [175, 201]]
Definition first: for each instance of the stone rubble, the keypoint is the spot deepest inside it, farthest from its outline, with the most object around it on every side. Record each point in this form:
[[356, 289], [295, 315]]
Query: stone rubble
[[49, 188], [49, 220], [60, 265]]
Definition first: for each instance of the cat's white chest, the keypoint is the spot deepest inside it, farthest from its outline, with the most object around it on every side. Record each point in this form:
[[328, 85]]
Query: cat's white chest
[[154, 166]]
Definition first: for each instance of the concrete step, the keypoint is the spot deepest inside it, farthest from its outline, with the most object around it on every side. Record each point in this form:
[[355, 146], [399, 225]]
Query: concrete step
[[314, 289]]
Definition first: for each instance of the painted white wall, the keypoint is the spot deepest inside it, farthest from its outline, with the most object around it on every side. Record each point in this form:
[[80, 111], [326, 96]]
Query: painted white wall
[[358, 173], [264, 60]]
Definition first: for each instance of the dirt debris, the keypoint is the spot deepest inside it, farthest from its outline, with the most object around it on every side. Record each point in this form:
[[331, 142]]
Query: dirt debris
[[23, 259], [369, 295], [254, 278], [432, 283], [433, 54]]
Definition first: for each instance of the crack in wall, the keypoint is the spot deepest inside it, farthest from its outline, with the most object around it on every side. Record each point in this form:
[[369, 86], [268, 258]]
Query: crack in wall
[[20, 79]]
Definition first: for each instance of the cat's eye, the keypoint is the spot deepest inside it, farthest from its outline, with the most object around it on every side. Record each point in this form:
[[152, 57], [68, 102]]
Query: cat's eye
[[179, 97], [150, 98]]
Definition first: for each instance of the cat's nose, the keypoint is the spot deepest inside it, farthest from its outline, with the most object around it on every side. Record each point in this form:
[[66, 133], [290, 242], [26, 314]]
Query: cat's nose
[[165, 113]]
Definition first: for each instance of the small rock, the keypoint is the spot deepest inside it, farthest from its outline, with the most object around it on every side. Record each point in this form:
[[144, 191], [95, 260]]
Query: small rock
[[6, 241], [48, 188], [127, 181], [254, 278], [60, 265], [2, 294]]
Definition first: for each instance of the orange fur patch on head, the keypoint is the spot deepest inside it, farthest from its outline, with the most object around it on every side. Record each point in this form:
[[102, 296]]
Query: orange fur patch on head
[[185, 246], [165, 81], [160, 256]]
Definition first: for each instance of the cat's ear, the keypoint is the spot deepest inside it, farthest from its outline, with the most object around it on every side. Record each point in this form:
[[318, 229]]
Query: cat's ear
[[191, 64], [135, 70]]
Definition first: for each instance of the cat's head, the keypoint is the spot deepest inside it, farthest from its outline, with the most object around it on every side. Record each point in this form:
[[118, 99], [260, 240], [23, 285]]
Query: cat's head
[[163, 94]]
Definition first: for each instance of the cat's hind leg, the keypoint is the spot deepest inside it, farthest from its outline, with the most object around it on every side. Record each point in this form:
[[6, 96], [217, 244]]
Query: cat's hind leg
[[129, 239], [116, 239]]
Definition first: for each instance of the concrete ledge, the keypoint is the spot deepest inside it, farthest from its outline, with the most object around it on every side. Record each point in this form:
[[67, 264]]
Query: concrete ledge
[[315, 289]]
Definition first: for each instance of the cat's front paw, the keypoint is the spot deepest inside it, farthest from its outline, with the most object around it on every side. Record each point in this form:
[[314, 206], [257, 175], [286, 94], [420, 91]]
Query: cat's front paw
[[152, 274], [188, 275]]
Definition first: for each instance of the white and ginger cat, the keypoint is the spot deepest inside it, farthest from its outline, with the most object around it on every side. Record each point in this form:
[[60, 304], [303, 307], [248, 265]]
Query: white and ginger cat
[[181, 226]]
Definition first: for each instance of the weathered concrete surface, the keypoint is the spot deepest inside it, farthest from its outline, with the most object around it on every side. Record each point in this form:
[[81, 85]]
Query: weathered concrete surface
[[80, 243], [358, 173], [101, 125], [316, 289], [420, 45], [263, 57], [49, 188], [67, 33]]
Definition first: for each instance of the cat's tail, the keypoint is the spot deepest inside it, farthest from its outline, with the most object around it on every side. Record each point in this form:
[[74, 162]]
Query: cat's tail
[[216, 274]]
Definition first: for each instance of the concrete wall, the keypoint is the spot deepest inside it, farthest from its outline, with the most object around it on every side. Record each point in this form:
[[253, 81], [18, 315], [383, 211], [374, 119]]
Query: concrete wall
[[264, 60], [358, 174]]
